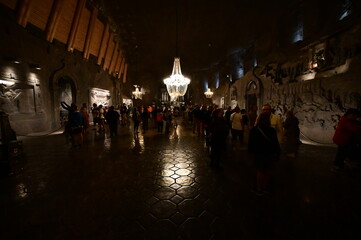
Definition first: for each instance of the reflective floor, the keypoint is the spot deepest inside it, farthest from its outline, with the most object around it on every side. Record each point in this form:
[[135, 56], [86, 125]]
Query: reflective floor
[[159, 186]]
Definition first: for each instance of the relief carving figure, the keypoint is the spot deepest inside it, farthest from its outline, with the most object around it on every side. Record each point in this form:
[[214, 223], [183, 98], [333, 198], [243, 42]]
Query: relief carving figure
[[66, 94], [7, 98]]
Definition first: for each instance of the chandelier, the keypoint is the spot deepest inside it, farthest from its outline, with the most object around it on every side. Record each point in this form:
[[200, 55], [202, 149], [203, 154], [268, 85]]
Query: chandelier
[[137, 94], [176, 84], [209, 93]]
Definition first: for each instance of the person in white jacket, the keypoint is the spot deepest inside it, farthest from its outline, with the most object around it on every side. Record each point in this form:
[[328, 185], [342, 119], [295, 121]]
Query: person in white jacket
[[237, 125]]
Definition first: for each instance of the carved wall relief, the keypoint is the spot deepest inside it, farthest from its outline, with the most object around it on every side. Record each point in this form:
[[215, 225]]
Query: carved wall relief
[[317, 107], [17, 98]]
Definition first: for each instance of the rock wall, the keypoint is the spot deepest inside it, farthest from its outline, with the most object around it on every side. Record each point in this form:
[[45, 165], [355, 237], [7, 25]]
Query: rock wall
[[31, 70]]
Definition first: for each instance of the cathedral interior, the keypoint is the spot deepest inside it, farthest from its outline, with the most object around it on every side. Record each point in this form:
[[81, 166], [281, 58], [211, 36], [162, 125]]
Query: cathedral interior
[[295, 55]]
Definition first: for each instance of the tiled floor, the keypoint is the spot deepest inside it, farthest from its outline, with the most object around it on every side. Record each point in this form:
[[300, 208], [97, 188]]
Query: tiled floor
[[159, 186]]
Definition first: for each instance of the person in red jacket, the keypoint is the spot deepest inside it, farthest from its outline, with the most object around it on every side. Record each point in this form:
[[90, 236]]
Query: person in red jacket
[[348, 128]]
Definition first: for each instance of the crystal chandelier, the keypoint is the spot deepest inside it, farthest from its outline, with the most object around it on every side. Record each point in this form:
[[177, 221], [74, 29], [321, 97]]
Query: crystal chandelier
[[137, 94], [209, 93], [176, 84]]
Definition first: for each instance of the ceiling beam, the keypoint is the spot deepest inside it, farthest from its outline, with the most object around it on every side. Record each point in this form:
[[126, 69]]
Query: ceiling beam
[[23, 12], [54, 18]]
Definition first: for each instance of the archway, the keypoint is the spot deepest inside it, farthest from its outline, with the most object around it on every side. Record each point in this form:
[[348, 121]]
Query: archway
[[251, 96]]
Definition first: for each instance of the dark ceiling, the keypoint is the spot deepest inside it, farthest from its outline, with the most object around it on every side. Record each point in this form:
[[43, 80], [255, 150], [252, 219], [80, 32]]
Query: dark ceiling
[[208, 30]]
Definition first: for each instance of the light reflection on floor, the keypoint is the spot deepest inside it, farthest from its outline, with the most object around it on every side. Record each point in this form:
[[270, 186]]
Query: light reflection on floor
[[177, 167], [138, 143]]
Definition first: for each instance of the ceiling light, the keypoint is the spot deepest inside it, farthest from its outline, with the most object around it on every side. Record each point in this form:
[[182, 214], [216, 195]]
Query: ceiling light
[[209, 93], [36, 66], [176, 84], [137, 94]]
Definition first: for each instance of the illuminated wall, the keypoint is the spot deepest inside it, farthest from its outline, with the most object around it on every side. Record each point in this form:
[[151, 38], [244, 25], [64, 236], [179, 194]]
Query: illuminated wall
[[40, 66]]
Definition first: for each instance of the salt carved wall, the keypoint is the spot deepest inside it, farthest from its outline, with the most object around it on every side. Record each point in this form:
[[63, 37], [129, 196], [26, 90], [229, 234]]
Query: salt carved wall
[[33, 102], [318, 103]]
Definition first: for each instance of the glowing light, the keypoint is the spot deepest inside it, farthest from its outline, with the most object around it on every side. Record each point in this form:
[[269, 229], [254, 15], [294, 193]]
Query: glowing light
[[346, 9], [298, 33], [137, 94], [8, 83], [240, 72], [176, 84], [209, 93], [217, 80]]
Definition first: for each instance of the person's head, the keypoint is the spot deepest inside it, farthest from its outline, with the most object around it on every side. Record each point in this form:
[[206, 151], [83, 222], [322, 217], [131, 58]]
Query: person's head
[[217, 113], [111, 108], [243, 111], [237, 109], [289, 114], [264, 119], [267, 108], [352, 113], [74, 106]]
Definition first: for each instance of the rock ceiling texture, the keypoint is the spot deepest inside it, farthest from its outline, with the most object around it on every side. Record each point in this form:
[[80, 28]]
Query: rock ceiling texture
[[208, 30]]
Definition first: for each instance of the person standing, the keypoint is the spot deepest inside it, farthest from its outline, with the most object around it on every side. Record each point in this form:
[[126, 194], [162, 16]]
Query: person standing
[[237, 125], [77, 123], [112, 118], [101, 119], [84, 112], [291, 135], [123, 114], [276, 121], [348, 128], [71, 110], [145, 116], [159, 119], [263, 145], [218, 132], [136, 120], [253, 116], [167, 118]]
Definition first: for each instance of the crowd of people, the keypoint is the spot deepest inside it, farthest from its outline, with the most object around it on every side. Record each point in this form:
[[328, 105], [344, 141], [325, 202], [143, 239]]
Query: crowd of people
[[263, 134]]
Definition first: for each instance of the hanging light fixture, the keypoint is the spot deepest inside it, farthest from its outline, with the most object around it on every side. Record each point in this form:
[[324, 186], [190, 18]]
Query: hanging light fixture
[[137, 94], [176, 84], [209, 93]]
